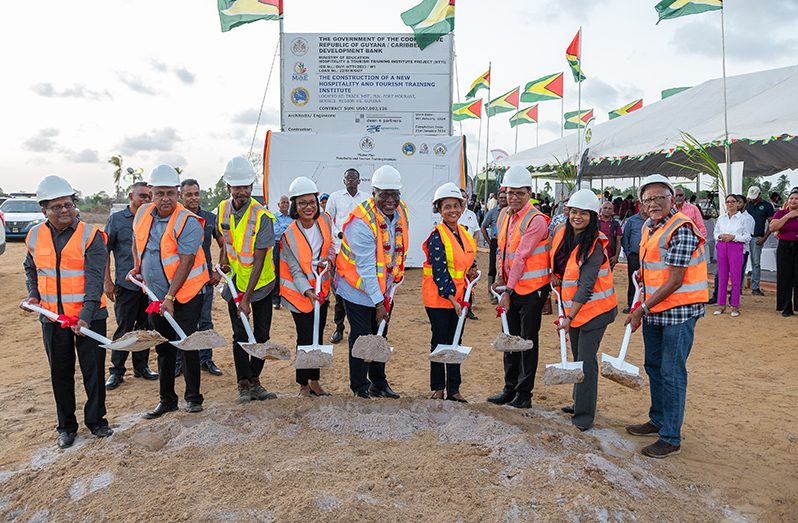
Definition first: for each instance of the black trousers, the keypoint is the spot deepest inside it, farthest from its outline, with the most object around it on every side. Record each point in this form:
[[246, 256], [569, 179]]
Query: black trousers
[[60, 345], [524, 318], [276, 258], [632, 265], [443, 323], [494, 248], [339, 314], [187, 316], [129, 309], [362, 375], [304, 336], [786, 275], [249, 367]]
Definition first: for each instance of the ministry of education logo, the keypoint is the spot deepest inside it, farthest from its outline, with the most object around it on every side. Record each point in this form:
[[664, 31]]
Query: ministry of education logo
[[300, 73], [409, 148], [366, 144], [299, 46], [300, 96], [439, 149]]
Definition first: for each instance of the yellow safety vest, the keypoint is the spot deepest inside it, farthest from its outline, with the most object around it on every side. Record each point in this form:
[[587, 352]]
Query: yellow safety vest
[[239, 242]]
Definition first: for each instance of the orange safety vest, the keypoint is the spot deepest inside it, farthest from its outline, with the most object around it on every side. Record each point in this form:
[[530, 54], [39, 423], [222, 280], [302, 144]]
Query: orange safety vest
[[62, 278], [295, 240], [603, 298], [170, 259], [536, 265], [458, 260], [345, 261], [654, 247]]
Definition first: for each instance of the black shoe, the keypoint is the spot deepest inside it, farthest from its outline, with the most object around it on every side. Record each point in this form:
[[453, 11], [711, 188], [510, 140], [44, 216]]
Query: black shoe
[[502, 398], [568, 410], [65, 440], [193, 407], [712, 301], [277, 305], [211, 367], [787, 313], [626, 310], [102, 432], [145, 373], [113, 381], [386, 392], [362, 394], [178, 370], [471, 316], [757, 292], [521, 402], [159, 410], [337, 336]]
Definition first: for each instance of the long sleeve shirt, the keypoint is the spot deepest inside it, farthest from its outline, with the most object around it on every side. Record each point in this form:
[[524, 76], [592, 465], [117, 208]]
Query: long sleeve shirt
[[632, 231], [440, 268], [737, 225], [339, 206], [694, 213], [282, 221], [536, 232], [119, 230], [300, 279]]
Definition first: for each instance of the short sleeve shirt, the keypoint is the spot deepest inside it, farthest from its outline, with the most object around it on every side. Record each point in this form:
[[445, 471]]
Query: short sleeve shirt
[[760, 212]]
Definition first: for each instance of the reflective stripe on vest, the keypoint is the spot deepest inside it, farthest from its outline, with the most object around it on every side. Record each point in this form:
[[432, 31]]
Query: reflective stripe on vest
[[458, 261], [536, 265], [239, 242], [295, 240]]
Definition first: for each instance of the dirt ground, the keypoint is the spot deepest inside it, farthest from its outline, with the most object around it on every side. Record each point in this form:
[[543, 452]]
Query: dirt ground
[[346, 459]]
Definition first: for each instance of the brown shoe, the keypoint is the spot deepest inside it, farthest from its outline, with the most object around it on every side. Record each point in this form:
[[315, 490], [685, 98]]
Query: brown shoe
[[661, 449], [243, 391], [256, 392], [644, 429]]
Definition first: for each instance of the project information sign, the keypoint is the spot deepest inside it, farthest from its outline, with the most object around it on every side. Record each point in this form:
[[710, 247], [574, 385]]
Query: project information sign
[[365, 83]]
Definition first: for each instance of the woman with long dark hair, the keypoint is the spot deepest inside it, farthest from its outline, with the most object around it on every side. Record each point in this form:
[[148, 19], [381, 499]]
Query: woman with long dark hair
[[785, 225], [581, 269]]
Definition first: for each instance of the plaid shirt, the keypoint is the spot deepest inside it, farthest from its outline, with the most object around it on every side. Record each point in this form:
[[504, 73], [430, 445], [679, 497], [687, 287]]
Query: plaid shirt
[[680, 250]]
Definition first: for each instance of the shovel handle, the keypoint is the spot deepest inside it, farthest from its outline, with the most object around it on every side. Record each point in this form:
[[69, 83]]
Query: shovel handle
[[233, 292], [505, 325], [561, 311], [180, 332], [627, 335], [83, 330]]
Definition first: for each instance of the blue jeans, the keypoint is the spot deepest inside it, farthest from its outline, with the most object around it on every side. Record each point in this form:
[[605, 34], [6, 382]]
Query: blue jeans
[[756, 263], [667, 349]]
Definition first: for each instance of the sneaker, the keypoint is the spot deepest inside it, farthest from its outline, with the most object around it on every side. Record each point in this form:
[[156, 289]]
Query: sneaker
[[757, 292], [661, 449], [644, 429]]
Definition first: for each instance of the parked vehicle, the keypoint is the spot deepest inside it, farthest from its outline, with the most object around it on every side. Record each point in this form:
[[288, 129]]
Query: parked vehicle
[[2, 232], [21, 214]]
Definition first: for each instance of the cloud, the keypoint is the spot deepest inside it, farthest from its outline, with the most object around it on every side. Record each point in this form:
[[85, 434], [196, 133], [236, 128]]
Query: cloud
[[84, 156], [185, 76], [173, 159], [158, 65], [155, 140], [270, 117], [48, 90], [134, 83], [43, 141], [600, 95]]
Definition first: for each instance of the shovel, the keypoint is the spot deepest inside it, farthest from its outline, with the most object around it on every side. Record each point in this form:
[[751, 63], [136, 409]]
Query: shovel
[[506, 342], [374, 347], [315, 356], [263, 351], [209, 339], [616, 369], [456, 353], [564, 372], [131, 342]]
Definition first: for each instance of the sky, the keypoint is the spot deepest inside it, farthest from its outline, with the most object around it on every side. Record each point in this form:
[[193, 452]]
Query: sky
[[158, 82]]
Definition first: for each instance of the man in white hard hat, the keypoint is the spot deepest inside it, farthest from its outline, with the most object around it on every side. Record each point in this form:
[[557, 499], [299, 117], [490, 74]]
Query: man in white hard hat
[[523, 270], [64, 270], [248, 232], [673, 272], [372, 259], [168, 255]]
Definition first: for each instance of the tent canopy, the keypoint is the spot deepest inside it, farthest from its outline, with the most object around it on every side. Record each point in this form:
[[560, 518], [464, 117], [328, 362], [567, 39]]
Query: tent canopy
[[763, 120]]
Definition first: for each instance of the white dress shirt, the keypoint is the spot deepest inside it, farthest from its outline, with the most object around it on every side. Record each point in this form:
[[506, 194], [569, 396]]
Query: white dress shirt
[[738, 225], [339, 206], [469, 220]]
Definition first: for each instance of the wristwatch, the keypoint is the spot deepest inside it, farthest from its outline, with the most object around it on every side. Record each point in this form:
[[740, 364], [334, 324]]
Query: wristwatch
[[570, 318], [644, 307], [509, 292], [169, 297]]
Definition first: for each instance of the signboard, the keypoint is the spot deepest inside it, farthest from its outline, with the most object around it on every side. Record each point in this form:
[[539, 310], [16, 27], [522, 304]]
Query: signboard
[[337, 83], [425, 163]]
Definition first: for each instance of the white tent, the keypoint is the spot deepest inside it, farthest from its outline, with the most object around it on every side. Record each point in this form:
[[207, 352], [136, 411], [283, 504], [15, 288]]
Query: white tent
[[763, 120]]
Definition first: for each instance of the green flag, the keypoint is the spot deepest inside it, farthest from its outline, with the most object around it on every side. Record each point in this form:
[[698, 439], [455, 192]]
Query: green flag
[[233, 13], [430, 20], [667, 9], [672, 91]]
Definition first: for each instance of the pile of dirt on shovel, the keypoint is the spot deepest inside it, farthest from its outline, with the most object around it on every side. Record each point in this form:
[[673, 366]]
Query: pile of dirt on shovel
[[623, 378], [372, 348], [348, 459], [512, 343]]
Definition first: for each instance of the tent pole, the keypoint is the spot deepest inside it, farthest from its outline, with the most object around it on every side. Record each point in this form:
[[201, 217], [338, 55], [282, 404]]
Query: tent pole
[[562, 114], [516, 139], [727, 146], [479, 137], [487, 138], [537, 134]]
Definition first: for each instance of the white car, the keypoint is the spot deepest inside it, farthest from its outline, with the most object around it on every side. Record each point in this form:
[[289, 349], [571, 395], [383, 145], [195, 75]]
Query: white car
[[2, 233], [21, 214]]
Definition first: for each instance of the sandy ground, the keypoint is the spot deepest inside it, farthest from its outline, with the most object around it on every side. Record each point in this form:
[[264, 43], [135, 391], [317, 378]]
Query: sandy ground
[[344, 459]]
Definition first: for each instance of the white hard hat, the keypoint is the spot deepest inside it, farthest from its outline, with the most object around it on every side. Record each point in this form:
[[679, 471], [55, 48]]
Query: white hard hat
[[584, 199], [517, 176], [52, 187], [164, 176], [239, 172], [654, 178], [447, 190], [302, 186], [386, 177]]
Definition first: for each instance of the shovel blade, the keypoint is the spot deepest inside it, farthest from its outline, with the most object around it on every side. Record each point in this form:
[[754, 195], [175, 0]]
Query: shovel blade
[[207, 339], [563, 373], [313, 357], [620, 364], [267, 351], [136, 341], [510, 343], [453, 354], [372, 348]]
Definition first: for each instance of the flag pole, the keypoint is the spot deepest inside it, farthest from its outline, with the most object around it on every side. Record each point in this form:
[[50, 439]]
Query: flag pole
[[479, 137], [579, 106], [727, 146], [487, 135], [457, 78], [537, 134], [562, 114], [280, 46], [516, 138]]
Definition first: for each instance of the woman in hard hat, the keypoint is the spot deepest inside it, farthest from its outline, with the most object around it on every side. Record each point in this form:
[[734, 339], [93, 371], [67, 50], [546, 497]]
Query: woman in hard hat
[[450, 252], [581, 270], [306, 244]]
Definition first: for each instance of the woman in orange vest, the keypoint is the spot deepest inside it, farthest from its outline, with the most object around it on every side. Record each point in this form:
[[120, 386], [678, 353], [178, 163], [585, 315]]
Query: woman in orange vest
[[581, 269], [305, 243], [450, 253]]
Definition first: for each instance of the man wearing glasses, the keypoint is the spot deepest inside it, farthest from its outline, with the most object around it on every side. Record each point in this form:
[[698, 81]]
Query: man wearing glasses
[[130, 303], [674, 277], [372, 259]]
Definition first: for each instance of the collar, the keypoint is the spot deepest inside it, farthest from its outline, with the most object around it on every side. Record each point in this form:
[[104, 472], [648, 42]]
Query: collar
[[522, 210], [392, 219], [72, 226], [127, 212], [653, 227]]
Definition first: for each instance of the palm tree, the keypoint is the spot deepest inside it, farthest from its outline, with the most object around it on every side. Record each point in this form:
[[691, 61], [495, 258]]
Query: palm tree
[[116, 161]]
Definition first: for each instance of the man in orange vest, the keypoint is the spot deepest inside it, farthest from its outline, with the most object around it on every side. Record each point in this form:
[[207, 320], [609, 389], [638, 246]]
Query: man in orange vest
[[372, 259], [523, 262], [674, 277], [64, 269], [167, 250]]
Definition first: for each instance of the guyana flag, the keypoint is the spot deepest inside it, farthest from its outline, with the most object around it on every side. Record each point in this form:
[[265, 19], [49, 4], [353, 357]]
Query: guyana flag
[[233, 13], [483, 82], [430, 20], [626, 109], [666, 93], [528, 115], [506, 102], [676, 8], [576, 119], [467, 110], [545, 88], [574, 56]]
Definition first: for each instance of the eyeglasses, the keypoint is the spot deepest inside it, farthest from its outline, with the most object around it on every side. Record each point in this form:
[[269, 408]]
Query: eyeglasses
[[59, 208], [143, 196], [389, 195], [648, 202], [305, 205], [519, 195]]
